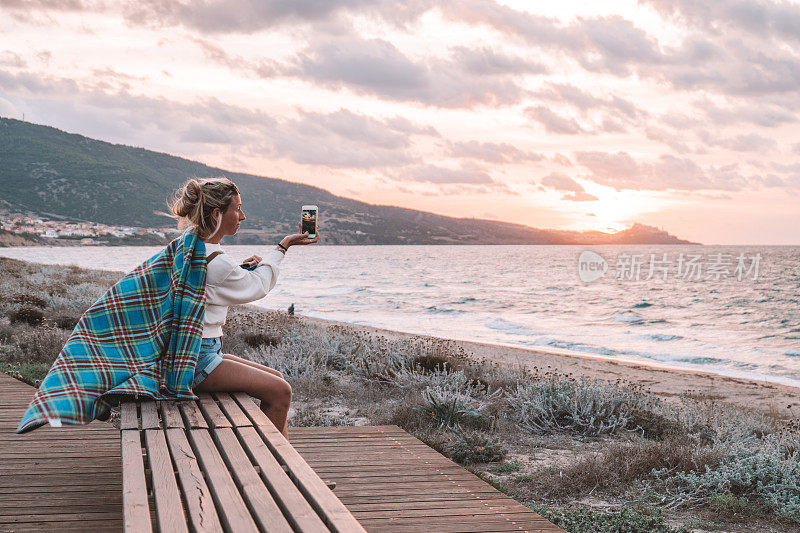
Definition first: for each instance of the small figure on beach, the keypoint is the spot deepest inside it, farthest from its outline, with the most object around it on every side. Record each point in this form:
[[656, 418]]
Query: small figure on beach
[[291, 310], [169, 345]]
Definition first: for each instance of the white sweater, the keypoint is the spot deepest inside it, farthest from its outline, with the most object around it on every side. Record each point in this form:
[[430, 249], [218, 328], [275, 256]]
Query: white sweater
[[228, 284]]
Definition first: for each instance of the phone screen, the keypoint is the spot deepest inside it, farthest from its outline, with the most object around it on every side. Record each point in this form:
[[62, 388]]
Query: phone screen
[[309, 221]]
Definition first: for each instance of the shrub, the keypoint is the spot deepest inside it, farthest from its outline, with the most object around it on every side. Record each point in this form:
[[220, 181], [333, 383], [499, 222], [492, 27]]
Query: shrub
[[27, 315], [768, 475], [40, 345], [587, 520], [449, 409], [476, 447], [507, 467], [255, 340], [653, 424], [315, 418], [465, 447], [430, 363], [586, 407], [66, 321], [30, 373], [292, 360], [619, 465], [29, 300]]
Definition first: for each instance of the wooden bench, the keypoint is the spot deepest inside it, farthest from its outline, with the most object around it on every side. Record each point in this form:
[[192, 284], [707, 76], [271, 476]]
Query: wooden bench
[[218, 464]]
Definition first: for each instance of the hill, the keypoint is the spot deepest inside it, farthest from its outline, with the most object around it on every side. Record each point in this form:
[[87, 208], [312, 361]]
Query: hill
[[53, 173]]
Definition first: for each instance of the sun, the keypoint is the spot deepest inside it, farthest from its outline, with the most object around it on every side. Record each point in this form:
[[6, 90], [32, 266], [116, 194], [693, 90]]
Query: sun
[[616, 210]]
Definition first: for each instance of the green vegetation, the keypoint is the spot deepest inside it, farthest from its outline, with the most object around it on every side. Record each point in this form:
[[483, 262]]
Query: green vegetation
[[584, 520], [656, 464]]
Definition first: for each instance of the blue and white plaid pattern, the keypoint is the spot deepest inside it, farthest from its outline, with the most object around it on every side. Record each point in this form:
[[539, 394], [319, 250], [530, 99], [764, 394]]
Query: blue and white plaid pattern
[[141, 338]]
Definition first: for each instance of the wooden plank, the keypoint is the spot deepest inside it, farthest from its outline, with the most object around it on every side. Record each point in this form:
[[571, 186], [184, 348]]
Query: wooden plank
[[66, 487], [95, 526], [463, 512], [57, 518], [169, 509], [128, 417], [55, 499], [212, 411], [232, 509], [232, 409], [55, 468], [297, 510], [149, 415], [192, 415], [136, 512], [171, 414], [51, 507], [468, 503], [60, 478], [262, 505], [333, 512], [514, 522], [199, 502]]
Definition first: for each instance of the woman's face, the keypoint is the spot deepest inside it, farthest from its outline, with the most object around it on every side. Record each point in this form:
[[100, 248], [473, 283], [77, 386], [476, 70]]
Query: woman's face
[[232, 218]]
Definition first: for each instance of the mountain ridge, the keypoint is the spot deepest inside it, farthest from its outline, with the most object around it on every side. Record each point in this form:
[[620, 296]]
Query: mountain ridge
[[46, 170]]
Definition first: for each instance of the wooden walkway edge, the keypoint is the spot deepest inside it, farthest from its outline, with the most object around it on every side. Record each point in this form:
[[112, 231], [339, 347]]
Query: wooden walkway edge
[[70, 478]]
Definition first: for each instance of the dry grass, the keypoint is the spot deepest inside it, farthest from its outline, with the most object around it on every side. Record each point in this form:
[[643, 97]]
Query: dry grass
[[617, 467]]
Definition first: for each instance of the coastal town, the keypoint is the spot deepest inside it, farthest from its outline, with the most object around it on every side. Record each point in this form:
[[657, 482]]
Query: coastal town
[[75, 232]]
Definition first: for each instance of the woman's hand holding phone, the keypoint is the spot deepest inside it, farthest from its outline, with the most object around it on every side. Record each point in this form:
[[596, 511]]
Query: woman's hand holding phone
[[299, 238], [250, 261]]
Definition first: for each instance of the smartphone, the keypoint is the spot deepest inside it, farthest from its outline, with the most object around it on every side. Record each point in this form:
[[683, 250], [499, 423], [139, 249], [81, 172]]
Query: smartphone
[[308, 220]]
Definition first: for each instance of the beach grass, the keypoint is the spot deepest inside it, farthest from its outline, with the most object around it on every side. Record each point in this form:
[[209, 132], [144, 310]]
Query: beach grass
[[588, 455]]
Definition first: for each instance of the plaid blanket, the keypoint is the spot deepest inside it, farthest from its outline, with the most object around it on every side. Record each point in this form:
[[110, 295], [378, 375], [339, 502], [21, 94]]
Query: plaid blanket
[[141, 338]]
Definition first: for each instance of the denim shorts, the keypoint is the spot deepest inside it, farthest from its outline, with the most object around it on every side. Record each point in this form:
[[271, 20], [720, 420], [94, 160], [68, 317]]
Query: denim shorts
[[210, 356]]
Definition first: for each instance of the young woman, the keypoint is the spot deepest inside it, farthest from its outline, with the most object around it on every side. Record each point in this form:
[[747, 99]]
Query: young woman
[[214, 208]]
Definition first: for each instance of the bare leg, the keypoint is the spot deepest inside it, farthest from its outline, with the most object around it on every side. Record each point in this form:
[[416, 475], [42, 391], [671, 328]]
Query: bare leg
[[273, 391], [248, 362], [252, 363]]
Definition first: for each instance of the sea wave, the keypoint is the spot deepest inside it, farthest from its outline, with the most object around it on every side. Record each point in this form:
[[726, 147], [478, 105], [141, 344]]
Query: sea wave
[[660, 337]]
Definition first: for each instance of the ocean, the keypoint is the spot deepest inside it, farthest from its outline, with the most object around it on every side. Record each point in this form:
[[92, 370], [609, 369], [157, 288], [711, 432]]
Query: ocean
[[733, 310]]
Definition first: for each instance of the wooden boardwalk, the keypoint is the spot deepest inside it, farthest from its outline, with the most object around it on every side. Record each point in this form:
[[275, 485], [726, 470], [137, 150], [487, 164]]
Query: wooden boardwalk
[[393, 482], [69, 479], [64, 479]]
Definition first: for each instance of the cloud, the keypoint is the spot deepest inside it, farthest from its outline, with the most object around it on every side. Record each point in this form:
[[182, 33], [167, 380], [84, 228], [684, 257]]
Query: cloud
[[498, 153], [580, 197], [561, 182], [260, 68], [488, 62], [673, 140], [553, 122], [744, 142], [466, 78], [341, 139], [466, 175], [11, 59], [8, 109], [761, 18], [755, 112], [236, 16], [621, 171], [198, 132], [345, 139]]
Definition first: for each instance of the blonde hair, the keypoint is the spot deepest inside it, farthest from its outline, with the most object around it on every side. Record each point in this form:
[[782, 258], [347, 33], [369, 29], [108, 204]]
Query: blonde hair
[[193, 204]]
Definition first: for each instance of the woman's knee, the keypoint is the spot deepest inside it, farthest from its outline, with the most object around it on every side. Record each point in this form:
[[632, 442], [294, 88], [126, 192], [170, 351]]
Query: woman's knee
[[276, 391]]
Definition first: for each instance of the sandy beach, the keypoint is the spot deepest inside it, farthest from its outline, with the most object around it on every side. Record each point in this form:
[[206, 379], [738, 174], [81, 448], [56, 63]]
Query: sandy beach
[[781, 401]]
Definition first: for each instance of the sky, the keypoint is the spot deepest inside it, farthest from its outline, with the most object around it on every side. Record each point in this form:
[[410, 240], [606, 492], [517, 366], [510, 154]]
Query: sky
[[679, 114]]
